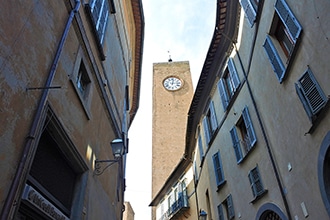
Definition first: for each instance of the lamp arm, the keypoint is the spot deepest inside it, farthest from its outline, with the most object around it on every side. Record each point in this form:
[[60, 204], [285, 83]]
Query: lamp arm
[[98, 169]]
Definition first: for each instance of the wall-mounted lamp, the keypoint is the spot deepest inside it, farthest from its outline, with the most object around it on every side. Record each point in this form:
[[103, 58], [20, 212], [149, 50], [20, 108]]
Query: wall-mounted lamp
[[117, 146], [202, 215]]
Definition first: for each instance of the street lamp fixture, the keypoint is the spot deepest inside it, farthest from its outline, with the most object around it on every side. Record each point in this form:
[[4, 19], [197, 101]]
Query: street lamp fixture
[[202, 215], [117, 146]]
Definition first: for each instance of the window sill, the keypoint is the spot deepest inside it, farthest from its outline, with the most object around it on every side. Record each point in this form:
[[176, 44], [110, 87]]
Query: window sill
[[255, 199], [246, 155], [318, 118], [220, 186]]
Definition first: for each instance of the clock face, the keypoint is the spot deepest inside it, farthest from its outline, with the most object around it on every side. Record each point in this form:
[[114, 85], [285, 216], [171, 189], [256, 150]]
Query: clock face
[[172, 83]]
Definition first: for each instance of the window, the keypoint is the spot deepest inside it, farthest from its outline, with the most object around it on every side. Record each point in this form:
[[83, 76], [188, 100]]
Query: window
[[311, 95], [200, 146], [285, 30], [274, 59], [53, 179], [226, 209], [220, 212], [210, 123], [250, 8], [99, 12], [256, 183], [83, 80], [219, 176], [243, 136], [228, 84]]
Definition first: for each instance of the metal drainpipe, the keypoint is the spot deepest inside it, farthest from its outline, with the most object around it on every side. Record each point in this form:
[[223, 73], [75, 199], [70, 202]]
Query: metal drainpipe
[[272, 159], [7, 211]]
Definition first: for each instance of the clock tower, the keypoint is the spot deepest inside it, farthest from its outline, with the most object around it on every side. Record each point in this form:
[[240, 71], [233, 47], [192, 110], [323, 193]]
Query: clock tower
[[172, 94]]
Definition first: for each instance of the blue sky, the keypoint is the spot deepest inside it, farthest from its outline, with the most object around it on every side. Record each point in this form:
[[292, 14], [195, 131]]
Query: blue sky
[[184, 28]]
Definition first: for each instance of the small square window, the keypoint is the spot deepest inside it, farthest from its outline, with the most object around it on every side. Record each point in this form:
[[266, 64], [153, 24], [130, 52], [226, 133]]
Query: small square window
[[83, 80]]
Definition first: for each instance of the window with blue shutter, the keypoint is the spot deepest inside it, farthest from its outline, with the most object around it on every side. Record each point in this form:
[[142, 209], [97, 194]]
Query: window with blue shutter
[[249, 127], [210, 123], [236, 144], [243, 136], [213, 117], [250, 8], [289, 20], [310, 94], [220, 212], [256, 183], [229, 83], [200, 146], [219, 176], [285, 31], [196, 175], [223, 94], [206, 127], [233, 74], [274, 59], [230, 207], [99, 12]]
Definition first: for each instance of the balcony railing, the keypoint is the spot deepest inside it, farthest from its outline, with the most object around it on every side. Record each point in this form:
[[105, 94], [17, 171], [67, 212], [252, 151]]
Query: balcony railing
[[178, 205]]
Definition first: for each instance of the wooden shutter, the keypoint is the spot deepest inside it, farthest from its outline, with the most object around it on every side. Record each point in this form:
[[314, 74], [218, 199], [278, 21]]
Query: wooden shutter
[[220, 212], [218, 168], [249, 127], [223, 93], [200, 147], [236, 144], [274, 59], [195, 172], [231, 211], [249, 10], [213, 117], [206, 129], [288, 19], [255, 181], [233, 73], [311, 93]]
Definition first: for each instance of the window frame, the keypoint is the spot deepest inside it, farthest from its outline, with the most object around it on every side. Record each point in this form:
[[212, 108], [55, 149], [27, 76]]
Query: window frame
[[285, 31], [218, 169], [220, 212], [250, 10], [230, 74], [256, 183], [237, 139], [210, 123], [229, 211]]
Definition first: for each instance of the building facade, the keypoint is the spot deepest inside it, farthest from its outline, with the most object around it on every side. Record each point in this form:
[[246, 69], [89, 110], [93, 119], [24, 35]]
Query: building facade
[[129, 212], [259, 120], [70, 82], [172, 94]]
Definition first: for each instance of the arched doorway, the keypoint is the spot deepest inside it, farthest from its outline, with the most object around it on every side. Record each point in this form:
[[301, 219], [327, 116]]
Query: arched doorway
[[270, 211], [323, 167], [270, 215]]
